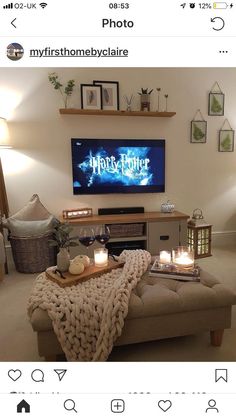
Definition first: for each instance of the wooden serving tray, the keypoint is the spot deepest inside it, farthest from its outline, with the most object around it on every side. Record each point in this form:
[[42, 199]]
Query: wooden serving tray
[[91, 272]]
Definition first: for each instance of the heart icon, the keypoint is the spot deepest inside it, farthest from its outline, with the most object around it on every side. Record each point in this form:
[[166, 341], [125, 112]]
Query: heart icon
[[14, 374], [164, 405]]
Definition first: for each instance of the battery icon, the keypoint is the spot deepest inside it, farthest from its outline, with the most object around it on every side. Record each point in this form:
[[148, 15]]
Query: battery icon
[[220, 5]]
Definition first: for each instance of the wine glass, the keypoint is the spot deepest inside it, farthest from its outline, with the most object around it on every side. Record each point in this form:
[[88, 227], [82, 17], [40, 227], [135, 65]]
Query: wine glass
[[86, 236], [102, 234]]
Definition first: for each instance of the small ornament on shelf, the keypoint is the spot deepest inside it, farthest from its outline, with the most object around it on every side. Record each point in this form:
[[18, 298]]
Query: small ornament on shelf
[[158, 89], [65, 91], [166, 100], [167, 207], [145, 99], [77, 213], [128, 100]]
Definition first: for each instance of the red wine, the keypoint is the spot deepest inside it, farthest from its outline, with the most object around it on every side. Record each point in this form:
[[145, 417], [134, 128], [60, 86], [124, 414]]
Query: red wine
[[87, 241], [102, 238]]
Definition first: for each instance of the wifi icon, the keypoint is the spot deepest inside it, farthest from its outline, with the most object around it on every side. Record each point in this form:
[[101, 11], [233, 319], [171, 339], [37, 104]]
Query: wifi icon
[[43, 5]]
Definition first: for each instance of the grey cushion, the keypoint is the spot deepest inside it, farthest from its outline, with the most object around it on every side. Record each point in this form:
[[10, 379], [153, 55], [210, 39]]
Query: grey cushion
[[31, 221], [34, 210], [19, 228]]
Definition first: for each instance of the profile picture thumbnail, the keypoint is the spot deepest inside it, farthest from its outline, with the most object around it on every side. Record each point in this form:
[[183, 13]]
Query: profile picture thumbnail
[[15, 51]]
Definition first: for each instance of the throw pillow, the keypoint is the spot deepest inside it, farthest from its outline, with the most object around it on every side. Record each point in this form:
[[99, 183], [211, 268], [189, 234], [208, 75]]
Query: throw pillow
[[32, 220], [20, 228], [32, 211]]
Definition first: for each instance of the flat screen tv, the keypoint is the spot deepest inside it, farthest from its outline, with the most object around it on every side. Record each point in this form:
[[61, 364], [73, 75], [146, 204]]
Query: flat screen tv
[[102, 166]]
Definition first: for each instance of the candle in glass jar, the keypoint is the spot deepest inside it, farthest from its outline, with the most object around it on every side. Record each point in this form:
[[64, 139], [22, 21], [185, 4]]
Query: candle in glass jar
[[165, 257], [184, 260], [101, 257]]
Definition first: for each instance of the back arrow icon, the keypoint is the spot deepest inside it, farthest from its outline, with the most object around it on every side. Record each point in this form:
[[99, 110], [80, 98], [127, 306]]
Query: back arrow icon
[[222, 21], [12, 22]]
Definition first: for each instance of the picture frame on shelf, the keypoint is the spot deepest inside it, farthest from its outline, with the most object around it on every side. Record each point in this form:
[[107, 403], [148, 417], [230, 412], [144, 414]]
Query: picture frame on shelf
[[198, 131], [91, 96], [226, 140], [110, 94], [216, 104]]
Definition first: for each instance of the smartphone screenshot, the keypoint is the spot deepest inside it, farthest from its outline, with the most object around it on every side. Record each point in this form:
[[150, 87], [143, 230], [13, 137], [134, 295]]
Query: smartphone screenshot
[[117, 209]]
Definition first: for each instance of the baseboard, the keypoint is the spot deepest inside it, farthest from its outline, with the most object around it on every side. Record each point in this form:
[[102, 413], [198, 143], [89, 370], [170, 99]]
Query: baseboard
[[223, 238]]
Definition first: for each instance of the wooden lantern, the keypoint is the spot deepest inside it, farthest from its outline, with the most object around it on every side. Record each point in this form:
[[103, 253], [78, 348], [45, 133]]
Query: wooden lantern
[[199, 235]]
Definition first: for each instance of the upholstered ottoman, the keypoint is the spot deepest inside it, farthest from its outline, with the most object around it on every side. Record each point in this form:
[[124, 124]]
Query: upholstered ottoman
[[2, 257], [159, 308]]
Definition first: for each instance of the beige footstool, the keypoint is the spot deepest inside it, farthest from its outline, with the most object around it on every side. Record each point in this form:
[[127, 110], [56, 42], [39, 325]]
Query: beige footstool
[[2, 257], [160, 308]]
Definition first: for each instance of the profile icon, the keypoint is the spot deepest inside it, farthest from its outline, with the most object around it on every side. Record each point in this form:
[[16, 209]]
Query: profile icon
[[212, 406], [15, 51]]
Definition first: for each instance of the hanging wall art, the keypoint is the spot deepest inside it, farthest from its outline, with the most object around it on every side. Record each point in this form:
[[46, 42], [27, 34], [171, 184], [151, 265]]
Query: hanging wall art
[[226, 137], [198, 128], [216, 101]]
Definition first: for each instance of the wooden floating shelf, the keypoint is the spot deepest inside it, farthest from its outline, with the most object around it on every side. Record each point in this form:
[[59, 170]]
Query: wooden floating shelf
[[101, 112]]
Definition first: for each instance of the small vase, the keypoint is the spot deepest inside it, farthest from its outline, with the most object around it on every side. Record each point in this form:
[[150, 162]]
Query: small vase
[[145, 102], [63, 260]]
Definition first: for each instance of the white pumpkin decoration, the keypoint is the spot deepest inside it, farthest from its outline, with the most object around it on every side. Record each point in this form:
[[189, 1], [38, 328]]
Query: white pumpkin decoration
[[76, 267], [82, 259]]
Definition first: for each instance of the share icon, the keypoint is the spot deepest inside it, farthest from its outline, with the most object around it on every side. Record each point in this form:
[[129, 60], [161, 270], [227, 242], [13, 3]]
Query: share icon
[[60, 373]]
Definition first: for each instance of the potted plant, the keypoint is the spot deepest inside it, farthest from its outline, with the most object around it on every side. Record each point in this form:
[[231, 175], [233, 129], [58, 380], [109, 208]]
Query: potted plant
[[145, 99], [65, 91], [62, 239]]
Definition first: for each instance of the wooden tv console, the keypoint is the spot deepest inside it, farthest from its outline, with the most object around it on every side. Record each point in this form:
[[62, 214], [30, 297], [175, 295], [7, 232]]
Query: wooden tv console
[[160, 231]]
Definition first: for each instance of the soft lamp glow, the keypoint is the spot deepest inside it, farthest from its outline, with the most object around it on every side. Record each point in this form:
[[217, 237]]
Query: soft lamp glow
[[4, 134], [10, 99], [15, 162]]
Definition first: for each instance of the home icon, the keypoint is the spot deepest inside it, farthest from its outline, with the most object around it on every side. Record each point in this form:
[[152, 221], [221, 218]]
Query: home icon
[[23, 406]]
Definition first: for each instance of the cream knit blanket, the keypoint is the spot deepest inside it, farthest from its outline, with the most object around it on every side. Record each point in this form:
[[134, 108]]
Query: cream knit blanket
[[88, 317]]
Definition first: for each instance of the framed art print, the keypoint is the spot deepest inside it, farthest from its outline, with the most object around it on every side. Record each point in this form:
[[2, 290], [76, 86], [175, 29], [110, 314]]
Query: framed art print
[[216, 104], [198, 131], [110, 94], [226, 140], [216, 101], [91, 96], [198, 128]]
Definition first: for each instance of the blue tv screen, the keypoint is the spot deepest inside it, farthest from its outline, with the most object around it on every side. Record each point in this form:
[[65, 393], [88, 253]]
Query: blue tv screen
[[102, 166]]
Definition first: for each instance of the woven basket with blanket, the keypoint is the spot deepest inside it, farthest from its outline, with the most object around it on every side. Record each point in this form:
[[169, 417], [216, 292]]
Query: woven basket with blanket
[[29, 232]]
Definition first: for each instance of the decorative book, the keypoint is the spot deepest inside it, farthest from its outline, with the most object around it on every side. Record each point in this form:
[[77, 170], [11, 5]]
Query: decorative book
[[174, 272]]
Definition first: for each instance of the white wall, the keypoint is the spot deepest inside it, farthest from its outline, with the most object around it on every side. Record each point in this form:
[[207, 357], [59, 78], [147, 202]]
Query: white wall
[[197, 175]]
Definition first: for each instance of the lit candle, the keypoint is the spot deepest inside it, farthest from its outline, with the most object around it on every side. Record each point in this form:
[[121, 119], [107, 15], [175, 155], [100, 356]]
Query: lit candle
[[183, 257], [184, 260], [165, 257], [101, 257]]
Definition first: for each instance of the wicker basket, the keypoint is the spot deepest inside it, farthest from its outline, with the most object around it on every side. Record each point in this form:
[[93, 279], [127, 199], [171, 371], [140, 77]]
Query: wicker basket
[[126, 230], [32, 255]]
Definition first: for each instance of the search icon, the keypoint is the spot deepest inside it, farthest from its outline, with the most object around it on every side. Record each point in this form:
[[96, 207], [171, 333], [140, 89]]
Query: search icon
[[69, 405]]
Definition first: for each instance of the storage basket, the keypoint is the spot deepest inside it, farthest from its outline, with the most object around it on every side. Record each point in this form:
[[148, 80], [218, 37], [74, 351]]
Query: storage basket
[[32, 254], [126, 230]]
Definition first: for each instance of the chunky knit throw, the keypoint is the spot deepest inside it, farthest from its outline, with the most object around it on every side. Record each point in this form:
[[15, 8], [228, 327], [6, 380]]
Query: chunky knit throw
[[88, 317]]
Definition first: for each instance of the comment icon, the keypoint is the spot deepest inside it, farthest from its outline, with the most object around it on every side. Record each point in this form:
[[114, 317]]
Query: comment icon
[[37, 376]]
